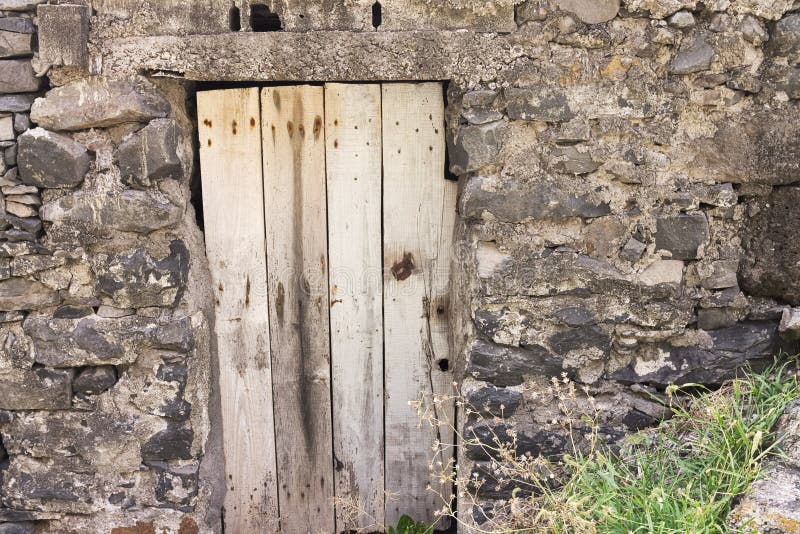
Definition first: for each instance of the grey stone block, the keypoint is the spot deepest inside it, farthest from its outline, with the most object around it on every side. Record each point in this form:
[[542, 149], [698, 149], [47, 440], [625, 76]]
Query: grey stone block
[[23, 294], [97, 102], [17, 76], [150, 154], [48, 159], [683, 235], [696, 57]]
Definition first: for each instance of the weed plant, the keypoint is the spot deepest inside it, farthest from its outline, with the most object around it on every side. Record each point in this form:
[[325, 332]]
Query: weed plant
[[680, 477]]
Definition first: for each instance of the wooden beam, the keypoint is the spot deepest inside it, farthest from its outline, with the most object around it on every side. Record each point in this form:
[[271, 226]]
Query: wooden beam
[[418, 217], [353, 141], [297, 262], [230, 162]]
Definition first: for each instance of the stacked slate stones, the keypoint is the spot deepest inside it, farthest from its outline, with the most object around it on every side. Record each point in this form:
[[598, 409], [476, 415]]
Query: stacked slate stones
[[628, 214], [93, 352]]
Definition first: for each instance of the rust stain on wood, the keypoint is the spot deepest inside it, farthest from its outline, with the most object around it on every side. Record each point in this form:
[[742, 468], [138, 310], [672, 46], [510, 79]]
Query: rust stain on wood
[[317, 126], [207, 122], [252, 122], [276, 99], [233, 127], [279, 301], [403, 268], [290, 128], [247, 292]]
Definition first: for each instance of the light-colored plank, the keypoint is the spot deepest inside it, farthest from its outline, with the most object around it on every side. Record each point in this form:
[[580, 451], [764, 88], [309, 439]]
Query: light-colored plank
[[297, 266], [418, 215], [353, 148], [230, 162]]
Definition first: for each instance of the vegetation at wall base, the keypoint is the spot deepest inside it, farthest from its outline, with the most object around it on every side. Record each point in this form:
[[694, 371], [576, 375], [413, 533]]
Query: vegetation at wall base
[[681, 477], [406, 525]]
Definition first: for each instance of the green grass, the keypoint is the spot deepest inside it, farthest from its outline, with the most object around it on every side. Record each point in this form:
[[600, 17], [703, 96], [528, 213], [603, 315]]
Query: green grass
[[682, 477], [685, 476]]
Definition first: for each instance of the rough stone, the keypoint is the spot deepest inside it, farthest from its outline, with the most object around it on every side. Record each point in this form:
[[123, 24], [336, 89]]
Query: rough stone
[[770, 505], [756, 148], [582, 338], [139, 280], [508, 366], [514, 201], [26, 527], [723, 275], [94, 340], [17, 24], [33, 484], [20, 210], [632, 250], [696, 57], [770, 265], [790, 84], [10, 155], [683, 235], [715, 318], [789, 326], [575, 316], [20, 5], [176, 486], [487, 484], [7, 128], [544, 442], [481, 116], [16, 103], [23, 294], [475, 146], [14, 44], [128, 211], [172, 443], [48, 159], [716, 359], [785, 38], [17, 76], [27, 265], [591, 11], [682, 19], [94, 380], [572, 160], [35, 389], [99, 102], [537, 104], [493, 401], [150, 154], [21, 122]]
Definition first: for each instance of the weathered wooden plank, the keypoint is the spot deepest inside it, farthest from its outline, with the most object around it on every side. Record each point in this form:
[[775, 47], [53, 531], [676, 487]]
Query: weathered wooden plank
[[418, 215], [353, 141], [297, 264], [230, 161]]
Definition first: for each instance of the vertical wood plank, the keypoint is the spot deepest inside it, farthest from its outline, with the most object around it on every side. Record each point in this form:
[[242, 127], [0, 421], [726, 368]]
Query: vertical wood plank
[[418, 216], [230, 162], [297, 264], [353, 148]]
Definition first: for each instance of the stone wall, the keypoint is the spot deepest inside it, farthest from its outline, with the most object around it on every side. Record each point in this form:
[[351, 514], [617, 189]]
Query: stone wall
[[105, 367], [628, 194]]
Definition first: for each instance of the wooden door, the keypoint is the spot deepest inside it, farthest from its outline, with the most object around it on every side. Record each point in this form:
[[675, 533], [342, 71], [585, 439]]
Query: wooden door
[[230, 158], [328, 232]]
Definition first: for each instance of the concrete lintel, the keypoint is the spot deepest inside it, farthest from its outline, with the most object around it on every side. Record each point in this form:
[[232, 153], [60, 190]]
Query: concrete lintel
[[466, 57]]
